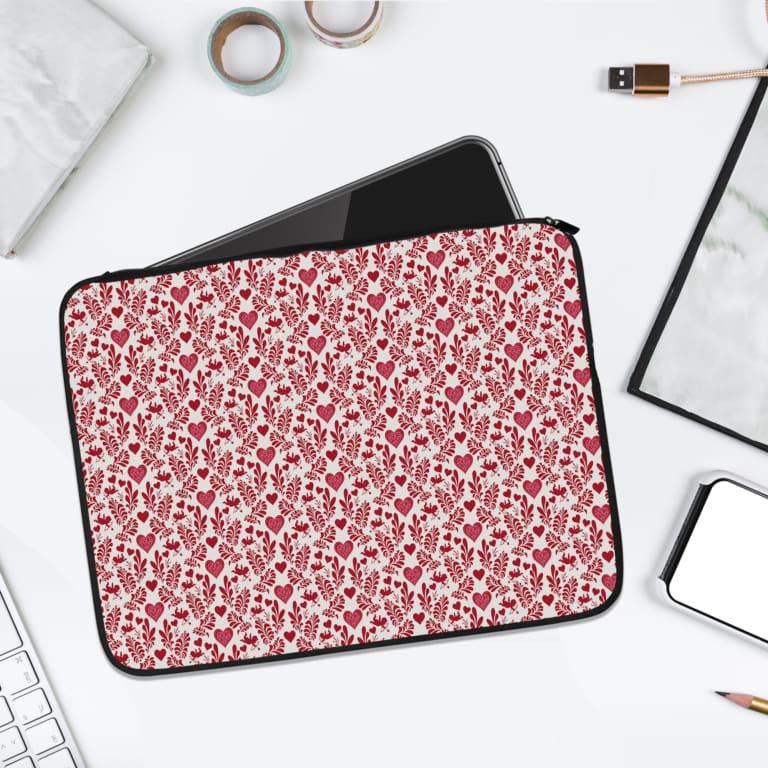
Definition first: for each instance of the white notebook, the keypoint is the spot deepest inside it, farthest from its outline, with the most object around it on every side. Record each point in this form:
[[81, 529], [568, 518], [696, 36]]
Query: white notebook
[[65, 67], [717, 566]]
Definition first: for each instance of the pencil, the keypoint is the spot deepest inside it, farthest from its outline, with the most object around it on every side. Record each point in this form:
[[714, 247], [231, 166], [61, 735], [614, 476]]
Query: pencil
[[748, 702]]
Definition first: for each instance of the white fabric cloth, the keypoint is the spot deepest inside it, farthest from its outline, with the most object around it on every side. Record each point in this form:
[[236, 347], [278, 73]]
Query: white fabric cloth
[[712, 357], [65, 66]]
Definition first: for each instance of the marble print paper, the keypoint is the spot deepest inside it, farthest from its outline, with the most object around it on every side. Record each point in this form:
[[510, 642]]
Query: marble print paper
[[712, 357], [65, 67]]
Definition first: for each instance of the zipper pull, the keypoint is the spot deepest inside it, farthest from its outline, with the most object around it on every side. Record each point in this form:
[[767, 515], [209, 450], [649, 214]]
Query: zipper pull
[[571, 229]]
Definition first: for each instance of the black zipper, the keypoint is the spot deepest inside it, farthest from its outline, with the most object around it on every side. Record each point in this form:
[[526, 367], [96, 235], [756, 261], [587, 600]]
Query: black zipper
[[571, 229]]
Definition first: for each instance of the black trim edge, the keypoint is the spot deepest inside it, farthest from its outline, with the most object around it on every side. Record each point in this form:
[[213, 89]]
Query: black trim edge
[[678, 282], [607, 467]]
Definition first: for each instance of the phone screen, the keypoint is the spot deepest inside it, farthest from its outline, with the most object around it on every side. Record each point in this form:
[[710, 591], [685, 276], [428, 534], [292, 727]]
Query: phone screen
[[457, 188], [720, 572]]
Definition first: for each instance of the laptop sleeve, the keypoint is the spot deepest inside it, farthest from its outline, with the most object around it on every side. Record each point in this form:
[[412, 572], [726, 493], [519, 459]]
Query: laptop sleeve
[[338, 449]]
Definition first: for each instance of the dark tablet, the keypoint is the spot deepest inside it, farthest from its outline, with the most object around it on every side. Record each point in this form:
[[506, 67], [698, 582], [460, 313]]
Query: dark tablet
[[459, 185]]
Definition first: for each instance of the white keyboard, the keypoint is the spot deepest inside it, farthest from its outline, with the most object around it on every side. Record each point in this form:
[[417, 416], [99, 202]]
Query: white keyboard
[[33, 732]]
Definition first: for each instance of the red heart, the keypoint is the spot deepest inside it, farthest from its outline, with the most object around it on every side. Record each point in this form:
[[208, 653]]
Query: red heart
[[308, 276], [334, 480], [481, 599], [562, 242], [154, 611], [454, 394], [120, 337], [265, 455], [472, 531], [541, 556], [206, 498], [223, 636], [325, 412], [418, 617], [504, 283], [275, 523], [436, 258], [146, 542], [137, 474], [248, 319], [602, 513], [591, 443], [343, 549], [376, 300], [197, 430], [463, 462], [548, 599], [385, 369], [316, 343], [394, 437], [445, 326], [129, 404], [284, 592], [214, 567], [513, 350], [609, 582], [257, 387], [353, 618], [523, 419], [404, 506], [532, 487], [413, 574], [572, 307], [180, 293], [582, 376]]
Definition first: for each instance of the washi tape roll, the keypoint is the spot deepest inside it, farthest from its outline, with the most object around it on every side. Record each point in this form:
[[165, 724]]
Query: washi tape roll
[[225, 26], [345, 39]]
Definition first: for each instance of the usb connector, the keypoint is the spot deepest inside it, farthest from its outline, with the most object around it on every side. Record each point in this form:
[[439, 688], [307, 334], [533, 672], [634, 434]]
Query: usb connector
[[657, 79], [643, 79]]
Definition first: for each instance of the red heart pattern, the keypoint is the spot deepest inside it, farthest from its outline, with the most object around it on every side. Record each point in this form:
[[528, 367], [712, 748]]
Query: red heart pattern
[[336, 448]]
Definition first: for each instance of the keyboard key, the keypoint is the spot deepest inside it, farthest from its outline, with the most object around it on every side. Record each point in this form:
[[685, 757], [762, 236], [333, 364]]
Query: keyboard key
[[16, 673], [6, 716], [25, 762], [31, 706], [47, 735], [9, 637], [60, 759], [11, 744]]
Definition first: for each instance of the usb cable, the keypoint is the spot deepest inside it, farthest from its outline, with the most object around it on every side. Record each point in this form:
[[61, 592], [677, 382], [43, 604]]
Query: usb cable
[[658, 79]]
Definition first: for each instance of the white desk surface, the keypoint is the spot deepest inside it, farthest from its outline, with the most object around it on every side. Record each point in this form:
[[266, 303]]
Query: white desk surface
[[186, 160]]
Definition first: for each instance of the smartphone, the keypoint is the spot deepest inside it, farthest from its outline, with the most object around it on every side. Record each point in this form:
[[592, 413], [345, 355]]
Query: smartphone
[[459, 185], [717, 566]]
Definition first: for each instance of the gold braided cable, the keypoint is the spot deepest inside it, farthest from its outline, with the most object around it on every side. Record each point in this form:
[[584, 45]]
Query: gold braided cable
[[741, 75]]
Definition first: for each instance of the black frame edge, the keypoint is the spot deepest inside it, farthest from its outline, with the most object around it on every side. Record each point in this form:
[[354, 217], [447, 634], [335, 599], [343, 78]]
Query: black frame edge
[[85, 517]]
